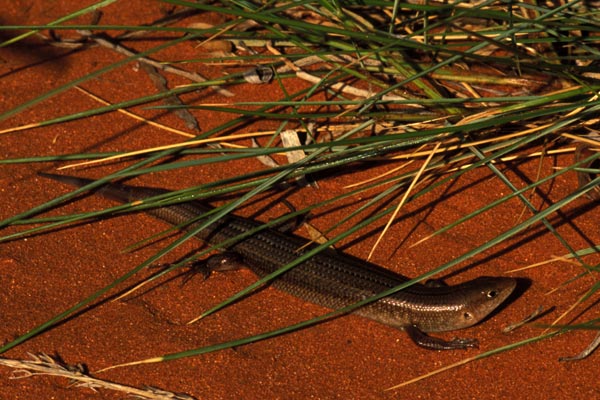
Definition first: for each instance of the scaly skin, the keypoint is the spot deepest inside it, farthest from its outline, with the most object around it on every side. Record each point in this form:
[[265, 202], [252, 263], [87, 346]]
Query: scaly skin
[[333, 279]]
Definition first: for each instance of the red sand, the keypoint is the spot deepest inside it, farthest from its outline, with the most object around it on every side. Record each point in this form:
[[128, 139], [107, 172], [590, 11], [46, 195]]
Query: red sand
[[348, 357]]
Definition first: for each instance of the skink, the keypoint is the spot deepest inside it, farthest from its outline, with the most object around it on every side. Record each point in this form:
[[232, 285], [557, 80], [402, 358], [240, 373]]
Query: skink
[[333, 279]]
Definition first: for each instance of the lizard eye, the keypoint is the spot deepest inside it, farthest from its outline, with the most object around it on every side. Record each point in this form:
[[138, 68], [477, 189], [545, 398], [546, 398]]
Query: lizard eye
[[491, 294]]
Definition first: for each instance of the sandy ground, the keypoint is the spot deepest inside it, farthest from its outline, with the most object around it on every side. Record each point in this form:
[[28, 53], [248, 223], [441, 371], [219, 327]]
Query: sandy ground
[[348, 357]]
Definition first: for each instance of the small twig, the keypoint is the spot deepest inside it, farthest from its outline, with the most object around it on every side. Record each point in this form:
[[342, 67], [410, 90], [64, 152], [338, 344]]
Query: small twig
[[160, 83], [536, 314], [342, 87], [586, 352], [104, 41]]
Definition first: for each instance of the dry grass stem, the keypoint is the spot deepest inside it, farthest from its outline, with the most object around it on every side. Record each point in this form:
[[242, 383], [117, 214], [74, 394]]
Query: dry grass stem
[[135, 116], [191, 143], [43, 364], [403, 200]]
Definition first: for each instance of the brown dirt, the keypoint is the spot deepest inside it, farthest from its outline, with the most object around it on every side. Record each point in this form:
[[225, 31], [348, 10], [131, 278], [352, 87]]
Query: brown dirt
[[348, 357]]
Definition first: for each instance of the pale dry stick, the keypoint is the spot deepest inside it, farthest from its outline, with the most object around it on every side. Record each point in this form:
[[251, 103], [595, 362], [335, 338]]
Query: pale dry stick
[[474, 79], [342, 87], [288, 64], [345, 88], [380, 66], [135, 116], [193, 76], [43, 364], [306, 61], [403, 200]]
